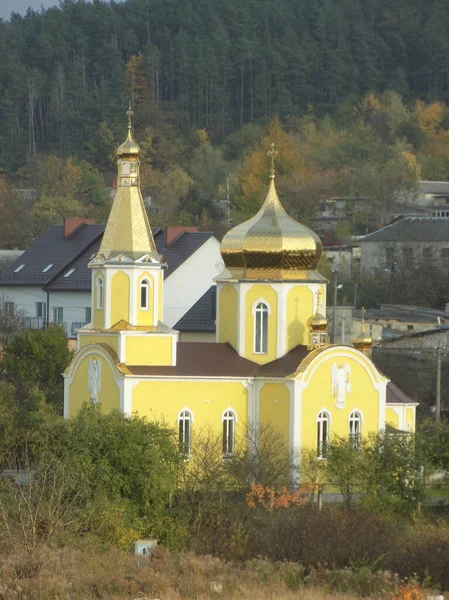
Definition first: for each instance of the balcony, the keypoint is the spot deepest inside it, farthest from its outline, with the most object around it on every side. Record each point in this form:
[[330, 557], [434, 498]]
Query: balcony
[[70, 327]]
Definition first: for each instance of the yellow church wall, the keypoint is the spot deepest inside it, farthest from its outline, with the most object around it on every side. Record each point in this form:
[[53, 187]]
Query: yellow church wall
[[300, 304], [149, 349], [98, 314], [207, 401], [109, 395], [274, 408], [111, 340], [119, 297], [391, 418], [145, 317], [252, 295], [227, 328], [317, 396]]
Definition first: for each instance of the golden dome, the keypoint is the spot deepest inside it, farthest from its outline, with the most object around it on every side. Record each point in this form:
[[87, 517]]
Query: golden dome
[[129, 146], [271, 245], [363, 341], [317, 323]]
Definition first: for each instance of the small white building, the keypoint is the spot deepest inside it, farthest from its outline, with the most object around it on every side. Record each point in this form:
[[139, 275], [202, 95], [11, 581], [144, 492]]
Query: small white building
[[51, 281]]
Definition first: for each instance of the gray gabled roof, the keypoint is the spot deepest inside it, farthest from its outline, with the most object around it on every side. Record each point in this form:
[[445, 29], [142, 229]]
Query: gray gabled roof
[[75, 251], [50, 248], [412, 229], [201, 317]]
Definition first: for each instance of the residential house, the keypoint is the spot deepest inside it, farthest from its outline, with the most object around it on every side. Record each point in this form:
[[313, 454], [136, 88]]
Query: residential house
[[51, 280], [406, 241]]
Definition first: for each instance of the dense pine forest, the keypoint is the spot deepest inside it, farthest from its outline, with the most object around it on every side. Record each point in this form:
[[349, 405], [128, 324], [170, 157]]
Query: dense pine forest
[[353, 92]]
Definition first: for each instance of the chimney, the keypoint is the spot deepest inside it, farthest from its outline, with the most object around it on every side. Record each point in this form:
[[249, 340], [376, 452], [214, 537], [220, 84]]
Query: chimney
[[71, 224], [173, 232]]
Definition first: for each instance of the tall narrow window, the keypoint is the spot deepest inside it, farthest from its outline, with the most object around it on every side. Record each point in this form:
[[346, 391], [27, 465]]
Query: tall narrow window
[[322, 426], [100, 293], [144, 294], [185, 432], [261, 328], [355, 430], [58, 315], [228, 433]]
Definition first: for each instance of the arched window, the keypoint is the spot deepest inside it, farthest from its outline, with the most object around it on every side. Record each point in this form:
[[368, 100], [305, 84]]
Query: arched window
[[228, 433], [100, 293], [185, 432], [322, 431], [261, 328], [144, 294], [355, 430]]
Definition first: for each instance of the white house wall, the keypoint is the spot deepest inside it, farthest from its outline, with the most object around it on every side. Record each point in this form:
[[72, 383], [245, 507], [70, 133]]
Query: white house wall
[[185, 286]]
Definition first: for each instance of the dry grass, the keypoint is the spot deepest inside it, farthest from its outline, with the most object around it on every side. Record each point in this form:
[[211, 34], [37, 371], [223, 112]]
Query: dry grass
[[99, 574]]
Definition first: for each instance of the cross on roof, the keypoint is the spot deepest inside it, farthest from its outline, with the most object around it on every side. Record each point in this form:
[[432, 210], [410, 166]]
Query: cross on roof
[[272, 153]]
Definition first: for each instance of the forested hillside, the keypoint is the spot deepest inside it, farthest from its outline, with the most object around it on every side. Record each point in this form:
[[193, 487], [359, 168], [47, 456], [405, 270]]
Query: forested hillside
[[217, 64], [354, 94]]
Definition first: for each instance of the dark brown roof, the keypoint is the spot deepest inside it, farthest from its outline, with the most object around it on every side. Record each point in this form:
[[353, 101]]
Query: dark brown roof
[[203, 359], [395, 395]]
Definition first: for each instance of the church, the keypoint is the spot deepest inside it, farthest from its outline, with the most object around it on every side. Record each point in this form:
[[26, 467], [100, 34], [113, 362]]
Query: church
[[272, 361]]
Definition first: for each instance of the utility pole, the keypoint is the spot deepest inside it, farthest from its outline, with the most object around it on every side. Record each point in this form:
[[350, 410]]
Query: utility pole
[[355, 295], [438, 386], [343, 324], [334, 312]]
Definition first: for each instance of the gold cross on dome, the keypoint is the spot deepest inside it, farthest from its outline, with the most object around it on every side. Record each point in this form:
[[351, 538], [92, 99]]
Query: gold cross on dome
[[363, 311], [272, 153], [130, 113], [318, 300]]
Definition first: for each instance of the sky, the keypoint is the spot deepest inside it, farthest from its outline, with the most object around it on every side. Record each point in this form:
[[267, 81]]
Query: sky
[[21, 6]]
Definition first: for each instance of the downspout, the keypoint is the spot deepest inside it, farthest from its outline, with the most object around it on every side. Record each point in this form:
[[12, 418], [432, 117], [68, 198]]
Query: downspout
[[48, 308]]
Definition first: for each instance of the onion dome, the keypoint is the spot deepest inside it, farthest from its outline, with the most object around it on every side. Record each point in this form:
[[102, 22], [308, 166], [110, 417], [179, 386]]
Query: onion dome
[[363, 341], [271, 245], [129, 147], [317, 323]]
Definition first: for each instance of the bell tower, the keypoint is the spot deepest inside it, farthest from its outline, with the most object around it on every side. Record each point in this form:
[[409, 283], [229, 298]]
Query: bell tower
[[128, 275]]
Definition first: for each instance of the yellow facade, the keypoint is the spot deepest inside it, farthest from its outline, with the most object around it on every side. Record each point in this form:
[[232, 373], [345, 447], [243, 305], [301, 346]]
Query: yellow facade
[[120, 292], [361, 396], [207, 401], [392, 417], [227, 319], [274, 408], [149, 349], [300, 306], [111, 339], [109, 394]]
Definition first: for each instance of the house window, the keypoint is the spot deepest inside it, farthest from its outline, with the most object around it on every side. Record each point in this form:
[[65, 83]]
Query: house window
[[427, 253], [261, 328], [100, 293], [9, 309], [410, 327], [58, 314], [408, 257], [47, 268], [322, 426], [228, 433], [144, 294], [355, 430], [88, 316], [389, 258], [185, 432], [41, 310], [19, 268]]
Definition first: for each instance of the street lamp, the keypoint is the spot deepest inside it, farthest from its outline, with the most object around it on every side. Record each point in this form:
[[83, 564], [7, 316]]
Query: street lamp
[[337, 287]]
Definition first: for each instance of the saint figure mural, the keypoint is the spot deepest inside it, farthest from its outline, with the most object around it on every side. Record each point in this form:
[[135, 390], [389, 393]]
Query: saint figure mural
[[94, 380], [341, 383]]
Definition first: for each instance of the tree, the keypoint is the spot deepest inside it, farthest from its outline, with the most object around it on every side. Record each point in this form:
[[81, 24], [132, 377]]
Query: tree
[[34, 361]]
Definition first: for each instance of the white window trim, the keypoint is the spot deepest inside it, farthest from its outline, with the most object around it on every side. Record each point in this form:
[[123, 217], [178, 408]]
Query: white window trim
[[227, 420], [148, 285], [190, 421], [99, 283], [356, 410], [359, 420], [255, 312], [318, 421]]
